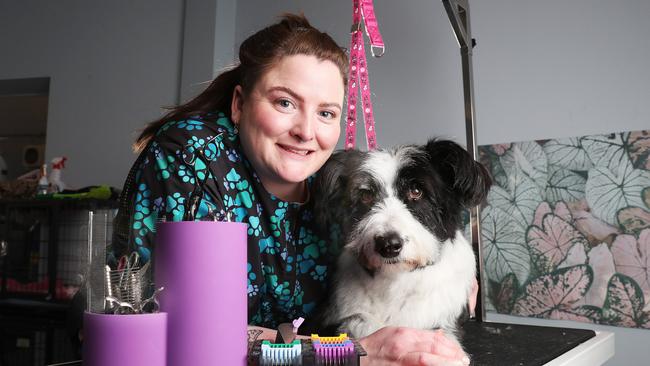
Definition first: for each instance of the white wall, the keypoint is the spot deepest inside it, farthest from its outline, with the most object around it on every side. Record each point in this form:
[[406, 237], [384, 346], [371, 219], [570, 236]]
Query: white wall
[[556, 68], [206, 47], [112, 64]]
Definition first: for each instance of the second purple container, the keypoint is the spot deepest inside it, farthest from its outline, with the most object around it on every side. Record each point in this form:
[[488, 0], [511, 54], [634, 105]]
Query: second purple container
[[125, 340], [203, 267]]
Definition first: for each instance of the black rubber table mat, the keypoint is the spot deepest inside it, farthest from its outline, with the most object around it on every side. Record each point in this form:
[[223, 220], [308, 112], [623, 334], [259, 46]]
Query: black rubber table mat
[[516, 344]]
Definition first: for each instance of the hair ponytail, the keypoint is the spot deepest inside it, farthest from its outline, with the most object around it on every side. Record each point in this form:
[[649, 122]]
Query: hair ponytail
[[216, 97]]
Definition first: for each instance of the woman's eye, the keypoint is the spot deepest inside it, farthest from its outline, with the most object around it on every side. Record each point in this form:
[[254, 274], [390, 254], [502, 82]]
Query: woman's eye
[[366, 195], [327, 114], [284, 103], [415, 193]]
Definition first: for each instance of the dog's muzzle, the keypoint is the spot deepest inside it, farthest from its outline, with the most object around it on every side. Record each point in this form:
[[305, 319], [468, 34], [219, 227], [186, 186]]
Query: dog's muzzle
[[388, 245]]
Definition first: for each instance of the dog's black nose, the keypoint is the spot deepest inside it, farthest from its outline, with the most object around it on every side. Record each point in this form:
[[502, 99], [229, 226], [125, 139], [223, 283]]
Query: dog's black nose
[[388, 245]]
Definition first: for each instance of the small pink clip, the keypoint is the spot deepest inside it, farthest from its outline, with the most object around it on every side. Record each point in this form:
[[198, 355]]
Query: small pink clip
[[296, 324]]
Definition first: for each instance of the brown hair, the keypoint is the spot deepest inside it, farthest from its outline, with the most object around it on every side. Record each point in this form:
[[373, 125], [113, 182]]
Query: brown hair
[[293, 35]]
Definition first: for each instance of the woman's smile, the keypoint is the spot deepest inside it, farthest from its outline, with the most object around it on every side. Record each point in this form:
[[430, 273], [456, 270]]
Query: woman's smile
[[295, 151]]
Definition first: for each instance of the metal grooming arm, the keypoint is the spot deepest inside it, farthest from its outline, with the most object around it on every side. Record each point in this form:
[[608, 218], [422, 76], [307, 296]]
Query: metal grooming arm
[[458, 13], [512, 344]]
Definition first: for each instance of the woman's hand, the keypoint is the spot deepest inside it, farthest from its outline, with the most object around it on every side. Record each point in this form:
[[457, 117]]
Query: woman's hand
[[473, 294], [411, 347]]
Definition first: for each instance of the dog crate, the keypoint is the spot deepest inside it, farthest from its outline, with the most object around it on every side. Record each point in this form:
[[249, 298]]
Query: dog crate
[[44, 250], [44, 257]]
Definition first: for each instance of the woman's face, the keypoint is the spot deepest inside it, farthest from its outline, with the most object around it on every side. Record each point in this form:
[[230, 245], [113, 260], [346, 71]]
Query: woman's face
[[289, 123]]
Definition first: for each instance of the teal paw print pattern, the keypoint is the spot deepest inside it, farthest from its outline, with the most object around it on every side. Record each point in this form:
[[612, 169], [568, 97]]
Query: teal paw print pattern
[[281, 291], [186, 175], [304, 264], [194, 143], [165, 165], [227, 126], [144, 218], [234, 205], [234, 182], [207, 207], [310, 249], [213, 149], [319, 273], [187, 125], [175, 205], [253, 289], [287, 263], [254, 228], [268, 245], [277, 218], [190, 125], [233, 155]]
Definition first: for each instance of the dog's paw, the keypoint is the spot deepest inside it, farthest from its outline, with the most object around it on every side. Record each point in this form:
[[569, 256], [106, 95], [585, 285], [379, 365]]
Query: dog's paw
[[359, 326]]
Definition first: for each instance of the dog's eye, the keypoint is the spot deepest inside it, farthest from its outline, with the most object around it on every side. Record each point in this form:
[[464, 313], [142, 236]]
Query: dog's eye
[[367, 196], [415, 193]]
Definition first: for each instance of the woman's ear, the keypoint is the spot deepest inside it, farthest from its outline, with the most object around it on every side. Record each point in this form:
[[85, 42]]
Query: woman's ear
[[237, 104]]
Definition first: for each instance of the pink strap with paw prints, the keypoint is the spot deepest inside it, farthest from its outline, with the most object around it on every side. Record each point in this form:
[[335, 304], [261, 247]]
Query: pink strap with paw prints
[[362, 10]]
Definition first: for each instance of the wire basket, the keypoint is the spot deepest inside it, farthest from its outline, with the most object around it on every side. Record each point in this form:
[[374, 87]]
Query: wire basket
[[128, 284]]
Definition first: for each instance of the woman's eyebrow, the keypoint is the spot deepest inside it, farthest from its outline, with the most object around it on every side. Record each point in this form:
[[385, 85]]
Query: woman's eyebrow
[[288, 91], [301, 99], [332, 105]]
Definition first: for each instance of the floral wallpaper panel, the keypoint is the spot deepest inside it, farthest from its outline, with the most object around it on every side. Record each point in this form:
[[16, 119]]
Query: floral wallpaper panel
[[566, 229]]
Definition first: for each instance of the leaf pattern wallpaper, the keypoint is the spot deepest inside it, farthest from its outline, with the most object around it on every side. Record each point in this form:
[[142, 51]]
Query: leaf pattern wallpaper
[[565, 231]]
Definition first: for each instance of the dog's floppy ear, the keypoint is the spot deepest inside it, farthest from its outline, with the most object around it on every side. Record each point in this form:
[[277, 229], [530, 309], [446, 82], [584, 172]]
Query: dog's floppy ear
[[329, 187], [467, 178]]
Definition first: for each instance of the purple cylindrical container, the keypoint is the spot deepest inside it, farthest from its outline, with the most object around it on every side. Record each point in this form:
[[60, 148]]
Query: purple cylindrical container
[[203, 268], [125, 340]]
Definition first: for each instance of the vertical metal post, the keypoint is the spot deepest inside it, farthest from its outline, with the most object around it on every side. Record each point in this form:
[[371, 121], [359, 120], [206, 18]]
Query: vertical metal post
[[458, 13], [53, 220], [90, 273], [4, 263]]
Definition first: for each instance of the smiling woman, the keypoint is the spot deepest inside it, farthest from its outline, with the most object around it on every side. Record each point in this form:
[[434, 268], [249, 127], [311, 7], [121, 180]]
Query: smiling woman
[[250, 141], [289, 122], [247, 147]]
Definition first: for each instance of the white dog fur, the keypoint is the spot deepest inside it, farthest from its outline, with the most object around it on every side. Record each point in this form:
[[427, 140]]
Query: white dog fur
[[412, 195]]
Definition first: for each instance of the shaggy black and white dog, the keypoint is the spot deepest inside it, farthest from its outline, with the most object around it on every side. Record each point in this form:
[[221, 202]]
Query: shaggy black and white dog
[[405, 260]]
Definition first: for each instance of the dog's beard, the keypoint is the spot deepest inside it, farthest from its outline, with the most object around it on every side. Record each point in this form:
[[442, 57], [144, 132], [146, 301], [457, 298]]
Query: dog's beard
[[374, 263], [420, 247]]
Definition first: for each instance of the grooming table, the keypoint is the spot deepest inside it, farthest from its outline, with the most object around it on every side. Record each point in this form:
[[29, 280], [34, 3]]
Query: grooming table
[[512, 344], [501, 344]]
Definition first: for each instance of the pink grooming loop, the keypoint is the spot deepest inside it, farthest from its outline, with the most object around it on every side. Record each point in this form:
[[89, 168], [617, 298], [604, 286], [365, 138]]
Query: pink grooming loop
[[362, 10]]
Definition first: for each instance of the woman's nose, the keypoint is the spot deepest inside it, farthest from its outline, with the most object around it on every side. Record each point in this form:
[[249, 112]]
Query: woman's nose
[[303, 128]]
